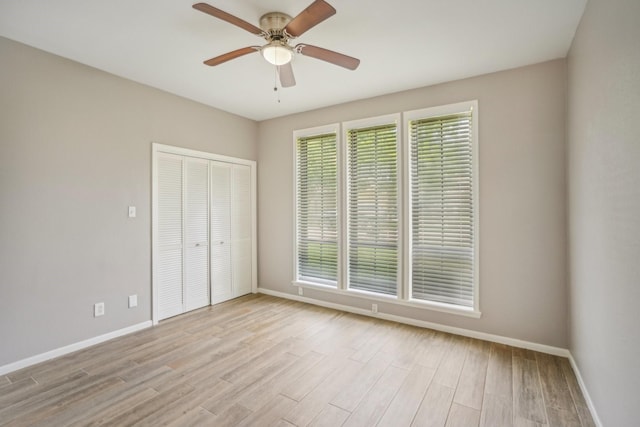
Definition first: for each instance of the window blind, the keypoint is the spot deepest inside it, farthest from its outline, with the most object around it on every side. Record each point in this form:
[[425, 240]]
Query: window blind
[[442, 209], [373, 209], [317, 205]]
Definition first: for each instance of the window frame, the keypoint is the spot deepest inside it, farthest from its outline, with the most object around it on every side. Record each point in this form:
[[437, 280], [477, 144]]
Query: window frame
[[432, 112], [403, 182], [388, 119], [306, 133]]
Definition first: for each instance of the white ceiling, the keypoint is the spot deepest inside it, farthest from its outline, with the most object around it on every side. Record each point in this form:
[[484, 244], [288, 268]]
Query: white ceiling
[[402, 44]]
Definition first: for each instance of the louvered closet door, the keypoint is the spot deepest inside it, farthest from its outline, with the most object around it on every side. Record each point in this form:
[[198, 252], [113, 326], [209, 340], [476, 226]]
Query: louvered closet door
[[196, 227], [169, 247], [241, 229], [221, 277]]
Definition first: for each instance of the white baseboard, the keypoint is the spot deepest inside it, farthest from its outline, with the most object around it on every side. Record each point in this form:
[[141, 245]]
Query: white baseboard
[[585, 393], [71, 348], [557, 351]]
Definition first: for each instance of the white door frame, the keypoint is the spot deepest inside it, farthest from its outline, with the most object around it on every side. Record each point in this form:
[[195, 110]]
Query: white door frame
[[162, 148]]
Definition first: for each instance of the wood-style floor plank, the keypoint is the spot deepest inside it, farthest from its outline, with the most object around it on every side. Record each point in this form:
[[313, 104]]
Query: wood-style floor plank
[[266, 392], [351, 395], [261, 360], [462, 416], [314, 402], [246, 384], [298, 388], [523, 422], [578, 399], [499, 372], [330, 416], [148, 408], [527, 393], [374, 404], [554, 386], [496, 411], [435, 406], [232, 416], [271, 413], [196, 417], [406, 402], [470, 389], [563, 418], [450, 367]]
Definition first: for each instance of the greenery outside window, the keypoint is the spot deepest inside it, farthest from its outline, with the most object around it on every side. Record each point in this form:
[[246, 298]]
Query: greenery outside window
[[317, 207], [372, 206]]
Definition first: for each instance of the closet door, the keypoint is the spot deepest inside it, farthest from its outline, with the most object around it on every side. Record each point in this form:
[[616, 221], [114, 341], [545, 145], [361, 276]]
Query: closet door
[[196, 228], [221, 278], [169, 237], [241, 229], [203, 229]]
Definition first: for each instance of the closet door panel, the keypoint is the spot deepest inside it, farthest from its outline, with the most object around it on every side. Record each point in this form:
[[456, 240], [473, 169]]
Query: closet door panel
[[196, 226], [241, 229], [170, 292], [169, 269], [221, 276]]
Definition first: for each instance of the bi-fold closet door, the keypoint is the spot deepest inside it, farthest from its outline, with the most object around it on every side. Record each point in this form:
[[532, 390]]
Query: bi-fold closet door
[[230, 231], [203, 233]]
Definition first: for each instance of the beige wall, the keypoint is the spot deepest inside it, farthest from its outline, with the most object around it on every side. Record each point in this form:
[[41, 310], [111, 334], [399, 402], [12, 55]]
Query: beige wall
[[522, 198], [75, 151], [604, 206]]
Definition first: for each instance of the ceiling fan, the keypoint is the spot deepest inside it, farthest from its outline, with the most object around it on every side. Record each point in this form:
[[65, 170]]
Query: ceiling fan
[[278, 29]]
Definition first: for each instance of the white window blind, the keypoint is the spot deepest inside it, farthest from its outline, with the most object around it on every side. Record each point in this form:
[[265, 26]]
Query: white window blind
[[317, 208], [442, 210], [373, 209]]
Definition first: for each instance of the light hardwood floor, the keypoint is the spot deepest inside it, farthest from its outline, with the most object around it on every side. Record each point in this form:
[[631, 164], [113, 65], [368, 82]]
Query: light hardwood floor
[[262, 361]]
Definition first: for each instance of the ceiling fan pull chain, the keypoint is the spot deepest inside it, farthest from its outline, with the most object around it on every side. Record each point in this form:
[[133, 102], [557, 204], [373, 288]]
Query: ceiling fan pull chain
[[275, 83]]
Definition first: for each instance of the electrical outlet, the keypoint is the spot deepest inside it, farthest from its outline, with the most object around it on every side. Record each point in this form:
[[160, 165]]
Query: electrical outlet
[[374, 308], [98, 309], [132, 211], [133, 301], [300, 291]]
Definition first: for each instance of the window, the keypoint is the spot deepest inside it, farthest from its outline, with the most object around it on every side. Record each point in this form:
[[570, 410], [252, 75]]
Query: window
[[317, 207], [392, 212], [372, 173], [442, 208]]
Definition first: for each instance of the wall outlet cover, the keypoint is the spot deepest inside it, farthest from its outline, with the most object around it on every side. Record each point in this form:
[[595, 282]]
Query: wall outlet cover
[[133, 301]]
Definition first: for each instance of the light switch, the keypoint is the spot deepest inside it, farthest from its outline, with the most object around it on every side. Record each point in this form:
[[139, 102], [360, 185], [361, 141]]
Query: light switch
[[98, 309], [132, 211]]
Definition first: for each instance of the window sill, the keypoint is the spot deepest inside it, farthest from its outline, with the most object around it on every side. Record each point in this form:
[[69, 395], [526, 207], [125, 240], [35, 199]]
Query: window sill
[[425, 305]]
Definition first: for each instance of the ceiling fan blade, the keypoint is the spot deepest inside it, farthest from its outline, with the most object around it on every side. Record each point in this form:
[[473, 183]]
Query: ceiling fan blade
[[220, 14], [329, 56], [231, 55], [286, 75], [317, 12]]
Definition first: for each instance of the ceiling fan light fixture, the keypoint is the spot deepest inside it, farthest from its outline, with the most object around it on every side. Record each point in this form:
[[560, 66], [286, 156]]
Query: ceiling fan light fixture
[[277, 53]]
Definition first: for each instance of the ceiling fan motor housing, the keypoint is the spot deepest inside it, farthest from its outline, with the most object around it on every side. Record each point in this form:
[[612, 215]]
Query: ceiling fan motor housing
[[277, 51], [273, 24]]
